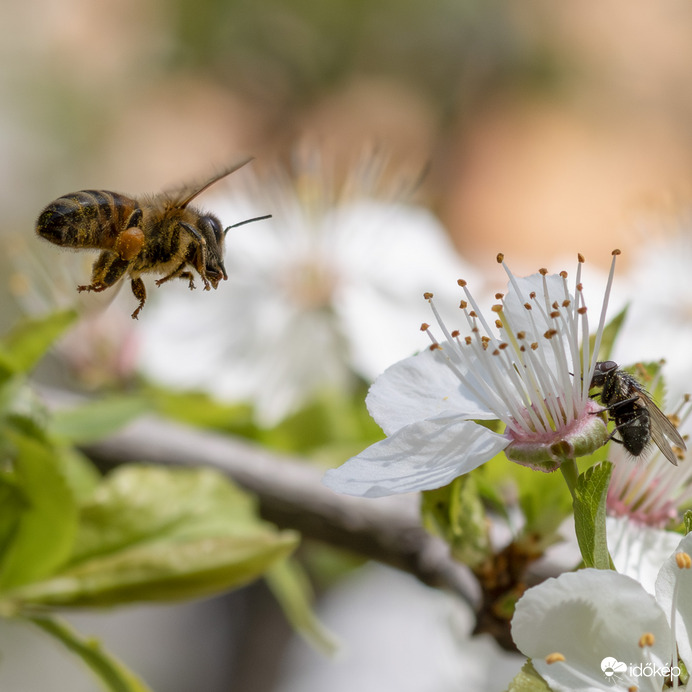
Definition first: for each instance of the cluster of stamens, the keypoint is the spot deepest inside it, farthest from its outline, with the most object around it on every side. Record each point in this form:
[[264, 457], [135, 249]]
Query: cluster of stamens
[[535, 379], [524, 361], [652, 494]]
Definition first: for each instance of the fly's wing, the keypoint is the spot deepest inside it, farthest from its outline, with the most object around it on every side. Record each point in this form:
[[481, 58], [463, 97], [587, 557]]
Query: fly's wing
[[662, 428]]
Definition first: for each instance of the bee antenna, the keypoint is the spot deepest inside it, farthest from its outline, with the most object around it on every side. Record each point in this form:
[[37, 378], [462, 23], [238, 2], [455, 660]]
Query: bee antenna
[[242, 223]]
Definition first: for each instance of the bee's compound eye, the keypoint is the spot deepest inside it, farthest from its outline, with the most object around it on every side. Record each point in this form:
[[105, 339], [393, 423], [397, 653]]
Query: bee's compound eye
[[213, 224]]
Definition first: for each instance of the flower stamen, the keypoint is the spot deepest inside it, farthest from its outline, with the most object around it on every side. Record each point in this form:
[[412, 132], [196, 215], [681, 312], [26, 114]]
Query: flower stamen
[[538, 392]]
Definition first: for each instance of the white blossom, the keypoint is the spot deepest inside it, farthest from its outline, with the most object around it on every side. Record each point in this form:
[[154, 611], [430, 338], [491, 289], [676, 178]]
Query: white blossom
[[525, 370], [573, 626], [645, 499]]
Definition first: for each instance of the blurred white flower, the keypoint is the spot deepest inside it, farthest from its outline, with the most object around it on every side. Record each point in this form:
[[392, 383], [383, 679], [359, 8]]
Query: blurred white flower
[[426, 646], [644, 499], [322, 294], [527, 373], [573, 625], [659, 321]]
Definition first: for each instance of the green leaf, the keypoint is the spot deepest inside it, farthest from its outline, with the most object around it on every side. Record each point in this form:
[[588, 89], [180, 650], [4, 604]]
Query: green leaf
[[456, 513], [291, 587], [96, 419], [8, 368], [201, 410], [80, 473], [111, 673], [29, 340], [687, 521], [649, 374], [528, 680], [331, 427], [21, 404], [46, 521], [589, 515], [543, 498], [156, 534], [12, 504]]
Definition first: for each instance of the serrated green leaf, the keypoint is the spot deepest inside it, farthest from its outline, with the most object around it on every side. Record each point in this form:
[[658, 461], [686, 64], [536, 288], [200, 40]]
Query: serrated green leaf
[[528, 680], [291, 588], [47, 523], [589, 515], [112, 674], [156, 534], [28, 341], [96, 419]]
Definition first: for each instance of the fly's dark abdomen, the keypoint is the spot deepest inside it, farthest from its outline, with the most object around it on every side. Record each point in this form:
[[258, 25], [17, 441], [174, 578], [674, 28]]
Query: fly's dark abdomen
[[86, 219], [633, 423]]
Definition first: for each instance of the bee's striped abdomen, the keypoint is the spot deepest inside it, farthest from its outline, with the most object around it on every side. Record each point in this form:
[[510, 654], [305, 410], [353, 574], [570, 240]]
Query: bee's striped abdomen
[[86, 219]]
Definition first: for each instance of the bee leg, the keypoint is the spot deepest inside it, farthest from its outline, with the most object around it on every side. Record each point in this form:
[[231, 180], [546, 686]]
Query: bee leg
[[107, 270], [197, 259], [190, 278], [140, 292], [177, 273]]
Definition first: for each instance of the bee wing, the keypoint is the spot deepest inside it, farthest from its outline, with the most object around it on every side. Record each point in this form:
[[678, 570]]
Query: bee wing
[[662, 428], [181, 198]]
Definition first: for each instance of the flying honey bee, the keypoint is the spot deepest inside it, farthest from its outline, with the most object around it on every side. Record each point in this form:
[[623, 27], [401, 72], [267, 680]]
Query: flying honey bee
[[637, 418], [156, 234]]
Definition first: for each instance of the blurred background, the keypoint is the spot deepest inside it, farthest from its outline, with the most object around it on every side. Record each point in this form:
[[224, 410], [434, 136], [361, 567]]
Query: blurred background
[[544, 129]]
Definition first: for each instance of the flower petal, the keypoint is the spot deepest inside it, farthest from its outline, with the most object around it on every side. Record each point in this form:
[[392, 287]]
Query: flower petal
[[419, 387], [669, 578], [588, 616], [421, 456], [639, 551]]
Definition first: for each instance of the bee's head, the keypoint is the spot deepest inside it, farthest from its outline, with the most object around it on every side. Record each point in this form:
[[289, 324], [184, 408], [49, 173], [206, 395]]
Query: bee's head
[[602, 370], [212, 232]]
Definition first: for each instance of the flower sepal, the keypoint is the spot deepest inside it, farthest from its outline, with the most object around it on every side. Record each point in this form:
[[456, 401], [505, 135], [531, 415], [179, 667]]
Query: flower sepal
[[547, 451]]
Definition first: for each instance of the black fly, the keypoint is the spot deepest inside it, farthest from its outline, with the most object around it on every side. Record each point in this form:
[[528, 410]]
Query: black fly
[[637, 418]]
